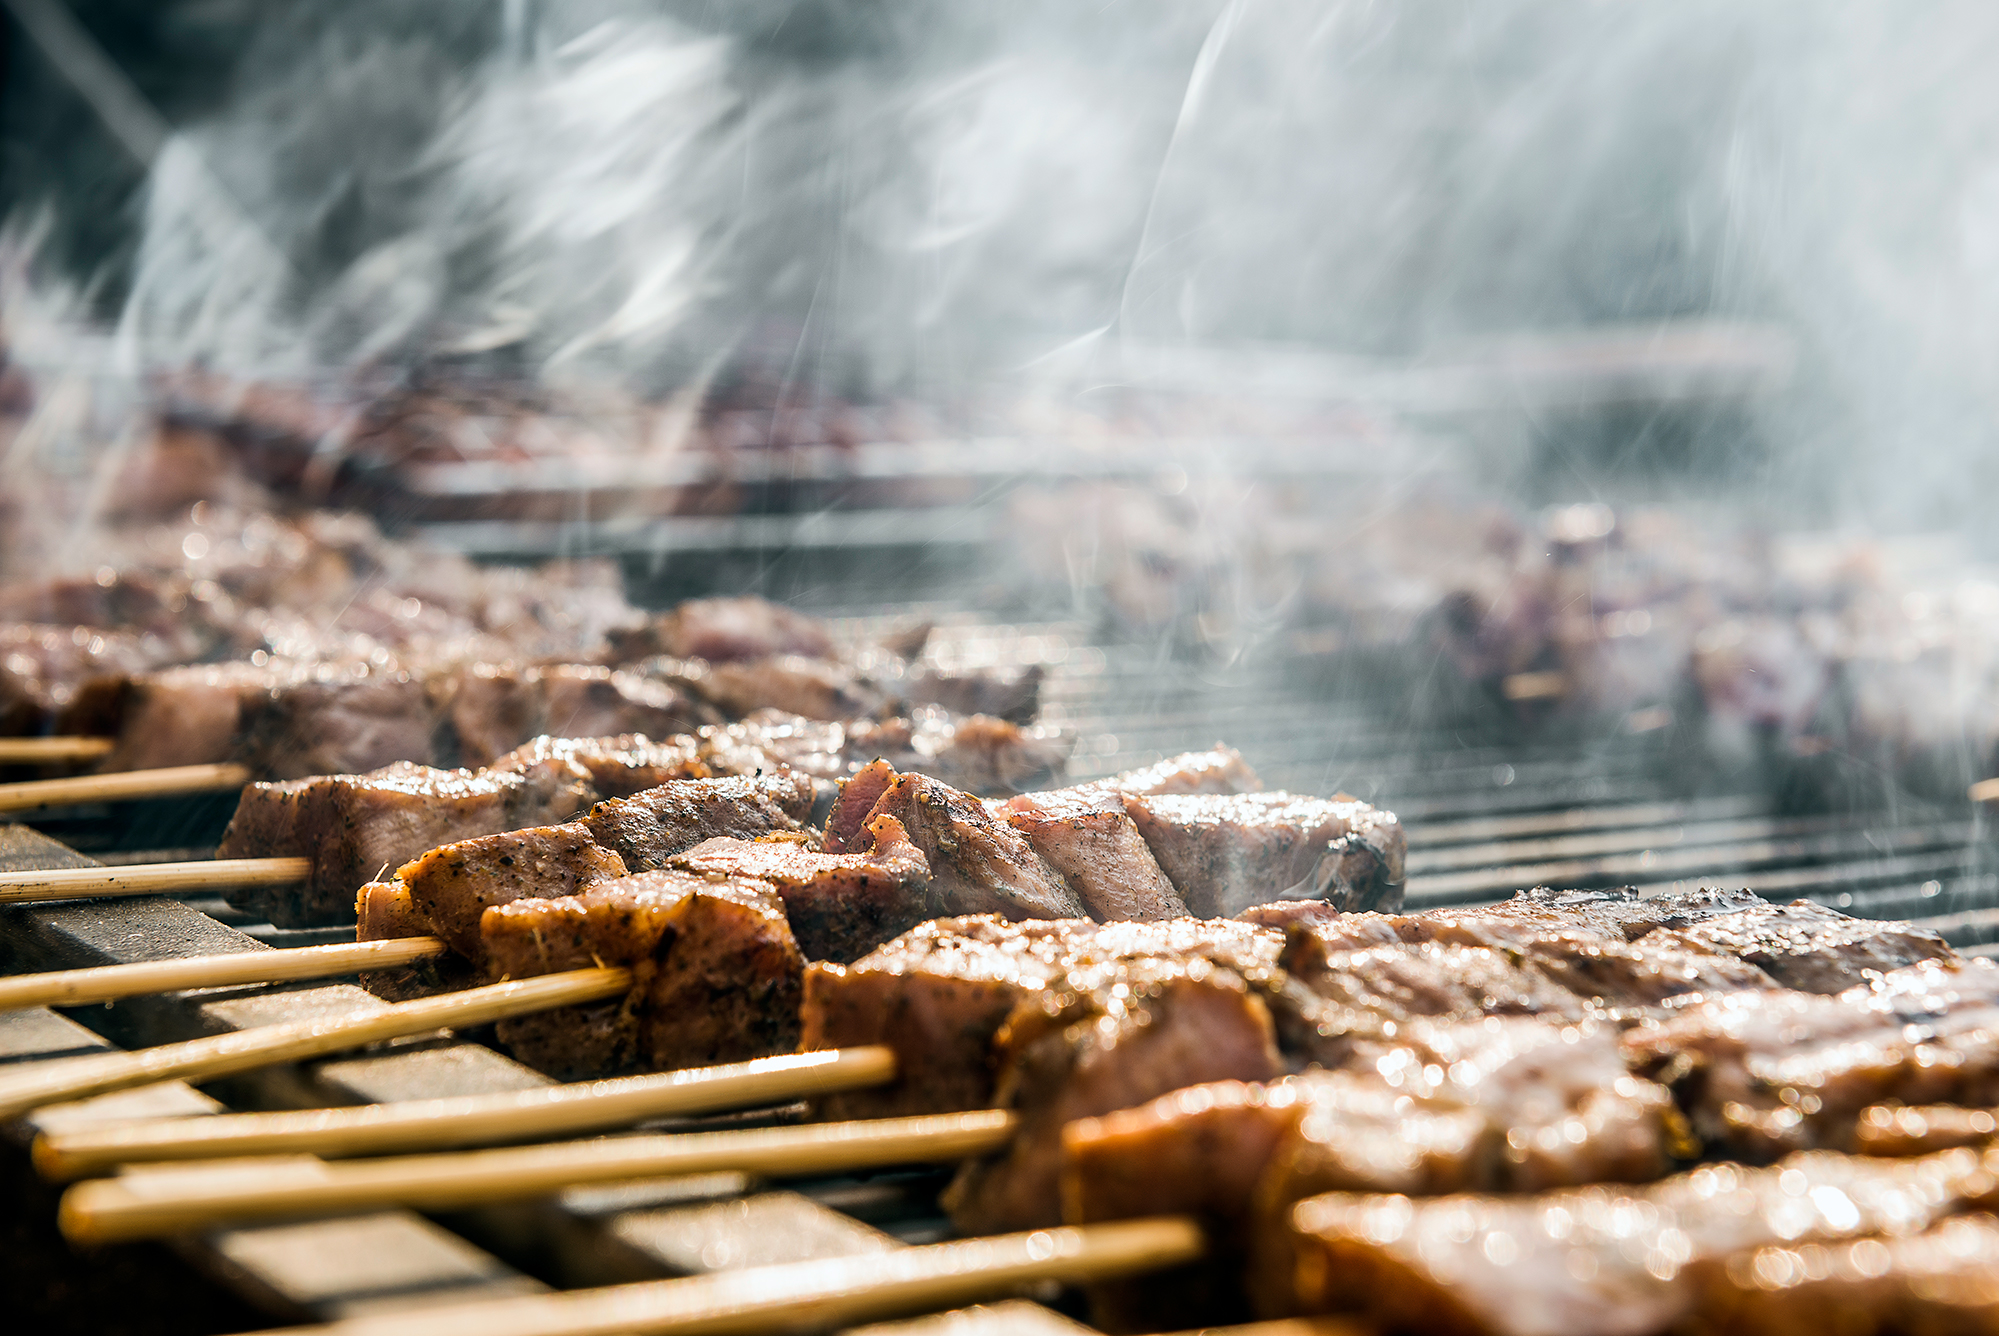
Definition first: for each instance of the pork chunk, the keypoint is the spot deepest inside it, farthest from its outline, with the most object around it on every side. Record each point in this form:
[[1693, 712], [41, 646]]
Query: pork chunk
[[191, 716], [1227, 852], [650, 827], [724, 629], [1088, 838], [1142, 1028], [1762, 1073], [1606, 1260], [453, 886], [1807, 946], [617, 767], [841, 906], [1221, 770], [718, 973], [978, 864], [356, 827], [343, 720]]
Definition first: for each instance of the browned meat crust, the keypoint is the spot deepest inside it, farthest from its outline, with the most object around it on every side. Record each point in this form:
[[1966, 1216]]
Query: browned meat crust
[[1762, 1073], [1221, 770], [617, 766], [1227, 852], [841, 906], [978, 865], [1941, 1282], [1606, 1260], [648, 828], [356, 827], [718, 973], [1085, 835], [1130, 1032], [1807, 946], [453, 886], [939, 994]]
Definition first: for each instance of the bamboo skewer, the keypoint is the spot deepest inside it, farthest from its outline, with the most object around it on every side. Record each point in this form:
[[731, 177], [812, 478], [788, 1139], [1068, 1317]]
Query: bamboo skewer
[[820, 1295], [91, 883], [122, 786], [105, 983], [245, 1050], [441, 1124], [1985, 791], [155, 1202], [38, 751]]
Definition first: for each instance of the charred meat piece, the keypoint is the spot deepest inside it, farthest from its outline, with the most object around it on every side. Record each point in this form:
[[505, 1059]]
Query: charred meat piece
[[718, 973], [939, 993], [1086, 835], [1403, 982], [1762, 1073], [724, 629], [341, 720], [841, 906], [354, 827], [1514, 1105], [846, 825], [1606, 1260], [1808, 946], [617, 767], [648, 828], [1611, 913], [453, 886], [1942, 1281], [978, 864], [1130, 1032], [1226, 852]]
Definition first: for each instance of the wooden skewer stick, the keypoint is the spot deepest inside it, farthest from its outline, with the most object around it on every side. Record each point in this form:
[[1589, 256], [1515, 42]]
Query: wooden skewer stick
[[37, 751], [810, 1296], [244, 1050], [472, 1120], [1534, 686], [1985, 791], [91, 883], [151, 1203], [122, 786], [104, 983]]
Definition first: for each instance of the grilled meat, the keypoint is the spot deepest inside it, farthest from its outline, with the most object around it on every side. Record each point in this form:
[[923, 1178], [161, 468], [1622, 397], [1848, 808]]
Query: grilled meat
[[978, 865], [840, 906], [939, 994], [721, 630], [978, 754], [1941, 1282], [648, 828], [354, 827], [718, 973], [1763, 1073], [1606, 1260], [1085, 835], [1122, 1033], [1225, 853], [1807, 946]]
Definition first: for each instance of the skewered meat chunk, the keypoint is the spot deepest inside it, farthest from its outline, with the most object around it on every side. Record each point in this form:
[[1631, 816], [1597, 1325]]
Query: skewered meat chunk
[[1809, 947], [353, 827], [814, 688], [1493, 1105], [1897, 1129], [1014, 696], [1941, 1282], [1085, 835], [979, 754], [841, 906], [1762, 1073], [188, 716], [42, 666], [342, 721], [1225, 853], [451, 887], [648, 828], [723, 629], [718, 973], [939, 994], [1618, 913], [616, 767], [978, 865], [1605, 1260], [1128, 1033]]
